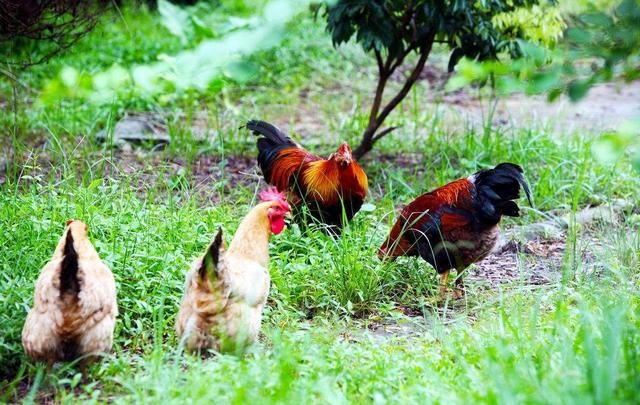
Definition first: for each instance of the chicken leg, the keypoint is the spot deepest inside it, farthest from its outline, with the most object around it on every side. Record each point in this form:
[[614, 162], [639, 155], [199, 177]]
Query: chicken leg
[[444, 277], [458, 289]]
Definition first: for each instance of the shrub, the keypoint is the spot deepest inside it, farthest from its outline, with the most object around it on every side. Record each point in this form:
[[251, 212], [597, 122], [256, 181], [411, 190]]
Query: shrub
[[393, 29], [58, 23]]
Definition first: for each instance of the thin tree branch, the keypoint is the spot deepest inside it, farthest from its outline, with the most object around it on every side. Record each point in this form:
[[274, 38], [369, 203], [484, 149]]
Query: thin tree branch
[[400, 60], [424, 55], [387, 63], [379, 60], [9, 75], [377, 100], [382, 133], [369, 137]]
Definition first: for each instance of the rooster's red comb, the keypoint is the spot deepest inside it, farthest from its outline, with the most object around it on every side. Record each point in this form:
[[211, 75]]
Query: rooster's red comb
[[272, 194]]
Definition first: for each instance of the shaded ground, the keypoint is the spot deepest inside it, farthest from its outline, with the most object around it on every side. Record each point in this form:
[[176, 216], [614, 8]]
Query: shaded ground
[[205, 173], [208, 172]]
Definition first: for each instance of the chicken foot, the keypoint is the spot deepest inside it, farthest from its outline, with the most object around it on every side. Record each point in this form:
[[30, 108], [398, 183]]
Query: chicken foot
[[444, 277], [458, 290]]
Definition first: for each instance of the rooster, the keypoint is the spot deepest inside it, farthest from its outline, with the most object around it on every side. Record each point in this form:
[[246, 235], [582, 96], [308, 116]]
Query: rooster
[[74, 310], [457, 224], [226, 291], [332, 188]]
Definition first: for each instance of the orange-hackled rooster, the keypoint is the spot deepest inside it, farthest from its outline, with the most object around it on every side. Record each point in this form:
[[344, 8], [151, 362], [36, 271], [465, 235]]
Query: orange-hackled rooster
[[457, 224], [226, 291], [325, 185], [74, 307]]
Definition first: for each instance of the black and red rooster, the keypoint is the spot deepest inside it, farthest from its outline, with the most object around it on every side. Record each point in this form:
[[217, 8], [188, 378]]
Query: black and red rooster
[[457, 224], [332, 188]]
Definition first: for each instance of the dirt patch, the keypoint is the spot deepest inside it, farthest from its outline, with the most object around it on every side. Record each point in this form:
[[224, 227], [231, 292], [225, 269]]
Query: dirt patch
[[434, 75], [210, 177], [604, 108], [535, 262], [532, 264]]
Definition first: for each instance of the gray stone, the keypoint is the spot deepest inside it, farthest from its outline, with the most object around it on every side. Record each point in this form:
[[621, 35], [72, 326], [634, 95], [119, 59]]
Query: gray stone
[[138, 129], [554, 228]]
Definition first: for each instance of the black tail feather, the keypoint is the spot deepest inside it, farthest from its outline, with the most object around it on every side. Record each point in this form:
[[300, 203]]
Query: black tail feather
[[270, 132], [271, 140], [69, 283], [212, 257], [497, 188], [515, 171]]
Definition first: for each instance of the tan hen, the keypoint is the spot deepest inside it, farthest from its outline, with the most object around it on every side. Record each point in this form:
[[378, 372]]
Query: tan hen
[[74, 306], [226, 291]]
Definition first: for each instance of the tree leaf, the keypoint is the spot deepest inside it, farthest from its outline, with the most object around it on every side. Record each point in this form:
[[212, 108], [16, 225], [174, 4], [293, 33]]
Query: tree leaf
[[175, 20], [508, 85], [241, 72], [577, 89], [636, 162], [543, 82]]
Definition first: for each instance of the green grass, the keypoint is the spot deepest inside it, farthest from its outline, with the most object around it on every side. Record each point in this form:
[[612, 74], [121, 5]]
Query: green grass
[[574, 340]]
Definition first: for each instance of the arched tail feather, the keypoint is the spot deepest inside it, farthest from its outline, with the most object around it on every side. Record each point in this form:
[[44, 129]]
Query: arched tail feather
[[497, 188], [270, 142], [270, 132], [211, 257]]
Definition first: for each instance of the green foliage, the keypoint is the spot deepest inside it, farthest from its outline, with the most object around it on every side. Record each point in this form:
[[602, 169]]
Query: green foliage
[[542, 24], [607, 42], [611, 147], [303, 59], [473, 29], [612, 39], [220, 49]]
